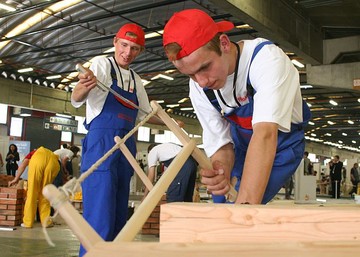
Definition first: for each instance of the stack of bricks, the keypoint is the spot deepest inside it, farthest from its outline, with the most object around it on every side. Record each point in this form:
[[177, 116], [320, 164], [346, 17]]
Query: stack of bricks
[[152, 225], [11, 203], [4, 180]]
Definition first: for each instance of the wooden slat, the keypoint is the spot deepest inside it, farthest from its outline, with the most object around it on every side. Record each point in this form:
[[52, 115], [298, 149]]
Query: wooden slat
[[254, 249], [138, 219], [190, 222]]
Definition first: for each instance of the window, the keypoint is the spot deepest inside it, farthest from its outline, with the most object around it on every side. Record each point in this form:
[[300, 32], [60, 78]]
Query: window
[[3, 111], [16, 127]]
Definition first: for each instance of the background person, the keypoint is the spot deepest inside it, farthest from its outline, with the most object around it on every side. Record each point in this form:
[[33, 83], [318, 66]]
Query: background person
[[43, 168], [258, 95], [181, 188], [12, 157], [335, 176]]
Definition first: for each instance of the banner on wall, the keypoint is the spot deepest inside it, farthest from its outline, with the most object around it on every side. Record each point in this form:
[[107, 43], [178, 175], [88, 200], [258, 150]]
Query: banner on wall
[[23, 149]]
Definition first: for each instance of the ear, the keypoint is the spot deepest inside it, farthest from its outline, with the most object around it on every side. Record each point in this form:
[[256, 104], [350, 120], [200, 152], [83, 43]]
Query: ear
[[115, 40], [225, 43]]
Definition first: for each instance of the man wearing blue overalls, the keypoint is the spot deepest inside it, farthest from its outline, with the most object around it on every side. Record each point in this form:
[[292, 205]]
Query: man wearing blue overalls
[[247, 98], [106, 191]]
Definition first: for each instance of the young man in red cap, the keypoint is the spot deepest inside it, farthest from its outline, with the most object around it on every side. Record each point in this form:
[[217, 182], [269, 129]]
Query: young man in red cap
[[247, 98], [106, 191]]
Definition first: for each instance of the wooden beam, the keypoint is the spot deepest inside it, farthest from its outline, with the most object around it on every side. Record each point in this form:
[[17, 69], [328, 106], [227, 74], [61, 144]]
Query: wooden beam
[[244, 249], [223, 223]]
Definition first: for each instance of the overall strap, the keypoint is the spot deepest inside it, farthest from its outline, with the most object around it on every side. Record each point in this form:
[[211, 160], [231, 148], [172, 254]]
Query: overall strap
[[249, 87], [210, 93]]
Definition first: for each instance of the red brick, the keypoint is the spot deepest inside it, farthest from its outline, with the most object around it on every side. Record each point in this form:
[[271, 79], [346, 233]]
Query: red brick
[[2, 217], [15, 207], [10, 222], [3, 206], [14, 217], [11, 201]]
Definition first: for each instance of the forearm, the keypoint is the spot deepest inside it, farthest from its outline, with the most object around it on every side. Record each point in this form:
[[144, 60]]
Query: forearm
[[258, 164], [21, 169], [80, 94], [151, 176]]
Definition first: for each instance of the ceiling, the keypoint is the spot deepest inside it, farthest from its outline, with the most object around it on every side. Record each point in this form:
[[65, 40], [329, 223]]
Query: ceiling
[[62, 37]]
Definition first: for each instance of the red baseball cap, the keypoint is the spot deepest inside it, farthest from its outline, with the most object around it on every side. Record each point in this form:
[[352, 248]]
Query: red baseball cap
[[192, 29], [136, 29]]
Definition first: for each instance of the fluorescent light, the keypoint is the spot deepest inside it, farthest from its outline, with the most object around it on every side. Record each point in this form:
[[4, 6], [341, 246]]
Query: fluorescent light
[[243, 26], [311, 123], [333, 102], [308, 104], [330, 122], [328, 134], [162, 76], [183, 100], [297, 63], [145, 82], [172, 105], [110, 50], [306, 86], [7, 8], [54, 77], [63, 115], [350, 122], [187, 109], [25, 70], [359, 100], [344, 134], [160, 101], [353, 141], [154, 34]]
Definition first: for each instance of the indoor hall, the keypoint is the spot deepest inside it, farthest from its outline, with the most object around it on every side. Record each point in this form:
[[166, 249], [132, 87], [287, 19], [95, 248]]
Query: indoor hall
[[43, 41]]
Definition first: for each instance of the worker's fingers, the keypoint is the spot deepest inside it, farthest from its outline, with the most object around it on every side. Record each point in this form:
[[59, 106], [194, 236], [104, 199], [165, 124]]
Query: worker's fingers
[[215, 181]]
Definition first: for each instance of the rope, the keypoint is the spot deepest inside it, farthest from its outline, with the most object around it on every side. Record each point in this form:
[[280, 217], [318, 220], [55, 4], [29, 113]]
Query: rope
[[73, 185]]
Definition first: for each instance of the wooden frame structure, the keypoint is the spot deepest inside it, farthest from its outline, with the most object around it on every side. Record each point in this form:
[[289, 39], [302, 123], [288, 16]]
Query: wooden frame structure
[[122, 245]]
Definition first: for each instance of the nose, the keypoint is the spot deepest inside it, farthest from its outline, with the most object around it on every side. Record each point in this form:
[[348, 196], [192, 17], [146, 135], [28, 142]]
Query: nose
[[202, 80], [127, 50]]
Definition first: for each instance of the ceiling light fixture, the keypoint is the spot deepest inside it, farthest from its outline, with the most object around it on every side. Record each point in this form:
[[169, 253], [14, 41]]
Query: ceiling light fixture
[[333, 102], [172, 105], [350, 122], [162, 76], [330, 122], [311, 123], [25, 70], [183, 100], [187, 109], [54, 77], [154, 34], [306, 86], [297, 63], [7, 8], [145, 82], [160, 101]]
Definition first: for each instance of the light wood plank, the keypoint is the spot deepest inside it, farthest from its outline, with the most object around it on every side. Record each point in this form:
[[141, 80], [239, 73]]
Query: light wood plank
[[191, 222], [254, 249]]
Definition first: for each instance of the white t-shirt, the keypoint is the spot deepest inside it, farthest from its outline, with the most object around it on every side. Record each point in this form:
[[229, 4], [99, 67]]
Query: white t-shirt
[[162, 152], [63, 153], [277, 98], [96, 98]]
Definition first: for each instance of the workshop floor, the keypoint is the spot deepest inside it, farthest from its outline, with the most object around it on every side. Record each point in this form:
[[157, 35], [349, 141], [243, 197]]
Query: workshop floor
[[23, 242]]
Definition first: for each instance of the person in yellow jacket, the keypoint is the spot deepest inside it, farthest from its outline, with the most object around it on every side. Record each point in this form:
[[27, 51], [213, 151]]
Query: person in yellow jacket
[[43, 168]]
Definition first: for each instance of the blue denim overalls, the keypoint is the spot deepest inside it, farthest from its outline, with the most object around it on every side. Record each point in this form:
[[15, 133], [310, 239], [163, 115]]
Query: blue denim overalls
[[106, 191], [290, 146]]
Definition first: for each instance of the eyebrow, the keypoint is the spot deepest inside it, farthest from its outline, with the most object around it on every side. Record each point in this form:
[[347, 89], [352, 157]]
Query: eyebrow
[[202, 67]]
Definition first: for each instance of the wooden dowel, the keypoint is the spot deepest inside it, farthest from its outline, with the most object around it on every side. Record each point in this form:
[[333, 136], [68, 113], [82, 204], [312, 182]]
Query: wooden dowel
[[139, 217], [134, 164], [84, 232], [198, 155]]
